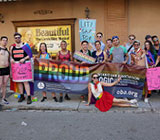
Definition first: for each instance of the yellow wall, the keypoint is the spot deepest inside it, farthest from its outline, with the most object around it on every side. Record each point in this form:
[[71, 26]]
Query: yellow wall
[[143, 18]]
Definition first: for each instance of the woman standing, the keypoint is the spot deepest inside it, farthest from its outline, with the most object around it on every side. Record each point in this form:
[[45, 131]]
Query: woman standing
[[150, 53], [99, 55], [64, 55], [150, 62], [105, 100], [43, 54]]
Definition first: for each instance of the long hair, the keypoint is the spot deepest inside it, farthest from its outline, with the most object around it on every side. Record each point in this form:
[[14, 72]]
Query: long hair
[[40, 52], [151, 48]]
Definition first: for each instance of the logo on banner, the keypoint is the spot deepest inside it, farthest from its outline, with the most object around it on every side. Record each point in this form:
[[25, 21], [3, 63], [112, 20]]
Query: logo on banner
[[41, 85]]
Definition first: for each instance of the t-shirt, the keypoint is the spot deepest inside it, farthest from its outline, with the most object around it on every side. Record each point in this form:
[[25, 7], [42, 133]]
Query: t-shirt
[[118, 54], [99, 58], [18, 54]]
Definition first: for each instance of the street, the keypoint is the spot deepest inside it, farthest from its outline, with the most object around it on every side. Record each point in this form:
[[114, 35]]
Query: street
[[66, 125]]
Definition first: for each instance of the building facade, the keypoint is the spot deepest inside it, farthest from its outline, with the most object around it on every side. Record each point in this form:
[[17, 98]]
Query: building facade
[[114, 17]]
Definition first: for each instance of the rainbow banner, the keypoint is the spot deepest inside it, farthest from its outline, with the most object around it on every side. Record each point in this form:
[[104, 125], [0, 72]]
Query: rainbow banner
[[85, 58], [72, 77]]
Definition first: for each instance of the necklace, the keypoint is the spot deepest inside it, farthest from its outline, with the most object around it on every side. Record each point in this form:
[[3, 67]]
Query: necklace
[[64, 53]]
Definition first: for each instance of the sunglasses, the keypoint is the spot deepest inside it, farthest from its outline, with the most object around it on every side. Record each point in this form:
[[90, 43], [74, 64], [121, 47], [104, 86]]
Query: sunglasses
[[17, 37], [131, 38], [99, 36], [95, 77], [136, 44], [155, 40]]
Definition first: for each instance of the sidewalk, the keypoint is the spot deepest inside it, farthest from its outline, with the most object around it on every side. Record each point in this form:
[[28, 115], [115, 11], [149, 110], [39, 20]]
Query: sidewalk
[[76, 104]]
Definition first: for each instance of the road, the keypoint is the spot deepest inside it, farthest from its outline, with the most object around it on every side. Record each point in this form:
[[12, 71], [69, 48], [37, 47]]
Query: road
[[74, 125]]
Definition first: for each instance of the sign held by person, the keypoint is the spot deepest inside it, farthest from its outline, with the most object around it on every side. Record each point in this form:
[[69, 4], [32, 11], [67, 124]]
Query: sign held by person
[[21, 71], [85, 58], [153, 78], [87, 30]]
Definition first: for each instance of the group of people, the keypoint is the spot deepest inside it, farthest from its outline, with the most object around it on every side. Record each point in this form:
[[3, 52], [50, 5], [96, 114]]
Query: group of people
[[132, 53]]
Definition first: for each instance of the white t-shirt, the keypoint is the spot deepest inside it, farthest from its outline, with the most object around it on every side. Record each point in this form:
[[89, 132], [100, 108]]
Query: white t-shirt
[[96, 92]]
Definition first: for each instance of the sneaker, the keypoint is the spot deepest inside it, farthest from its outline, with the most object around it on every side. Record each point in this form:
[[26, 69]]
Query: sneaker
[[146, 100], [29, 101], [60, 99], [43, 99], [21, 99], [4, 101], [55, 99], [67, 97], [133, 101], [134, 105]]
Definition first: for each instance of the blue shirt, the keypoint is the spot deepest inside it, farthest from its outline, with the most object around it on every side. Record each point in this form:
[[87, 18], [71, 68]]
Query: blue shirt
[[46, 57]]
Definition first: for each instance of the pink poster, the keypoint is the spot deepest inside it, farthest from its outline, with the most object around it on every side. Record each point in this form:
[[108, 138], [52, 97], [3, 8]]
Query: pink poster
[[22, 72], [153, 78]]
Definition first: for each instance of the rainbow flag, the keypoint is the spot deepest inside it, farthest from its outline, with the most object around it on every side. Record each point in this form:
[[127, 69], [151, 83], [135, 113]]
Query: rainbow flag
[[85, 58]]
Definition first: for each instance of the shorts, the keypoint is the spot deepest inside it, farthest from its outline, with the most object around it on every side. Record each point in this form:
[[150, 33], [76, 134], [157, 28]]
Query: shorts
[[4, 71]]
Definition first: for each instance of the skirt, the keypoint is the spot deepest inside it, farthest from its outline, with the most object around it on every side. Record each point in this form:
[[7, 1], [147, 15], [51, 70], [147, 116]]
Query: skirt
[[105, 102]]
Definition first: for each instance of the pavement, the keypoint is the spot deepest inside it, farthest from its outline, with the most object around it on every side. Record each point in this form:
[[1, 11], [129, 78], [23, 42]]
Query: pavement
[[75, 104]]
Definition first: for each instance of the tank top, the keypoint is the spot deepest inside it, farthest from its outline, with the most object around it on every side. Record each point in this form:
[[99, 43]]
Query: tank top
[[97, 92], [18, 53], [64, 57], [46, 57], [99, 58]]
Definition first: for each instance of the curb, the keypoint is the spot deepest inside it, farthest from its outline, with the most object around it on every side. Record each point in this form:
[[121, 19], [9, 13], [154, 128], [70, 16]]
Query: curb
[[93, 110]]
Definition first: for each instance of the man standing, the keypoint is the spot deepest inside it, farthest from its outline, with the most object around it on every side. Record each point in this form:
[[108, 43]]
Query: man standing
[[99, 37], [118, 53], [158, 58], [20, 53], [156, 46], [129, 46], [4, 67], [138, 55], [85, 50], [108, 47]]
